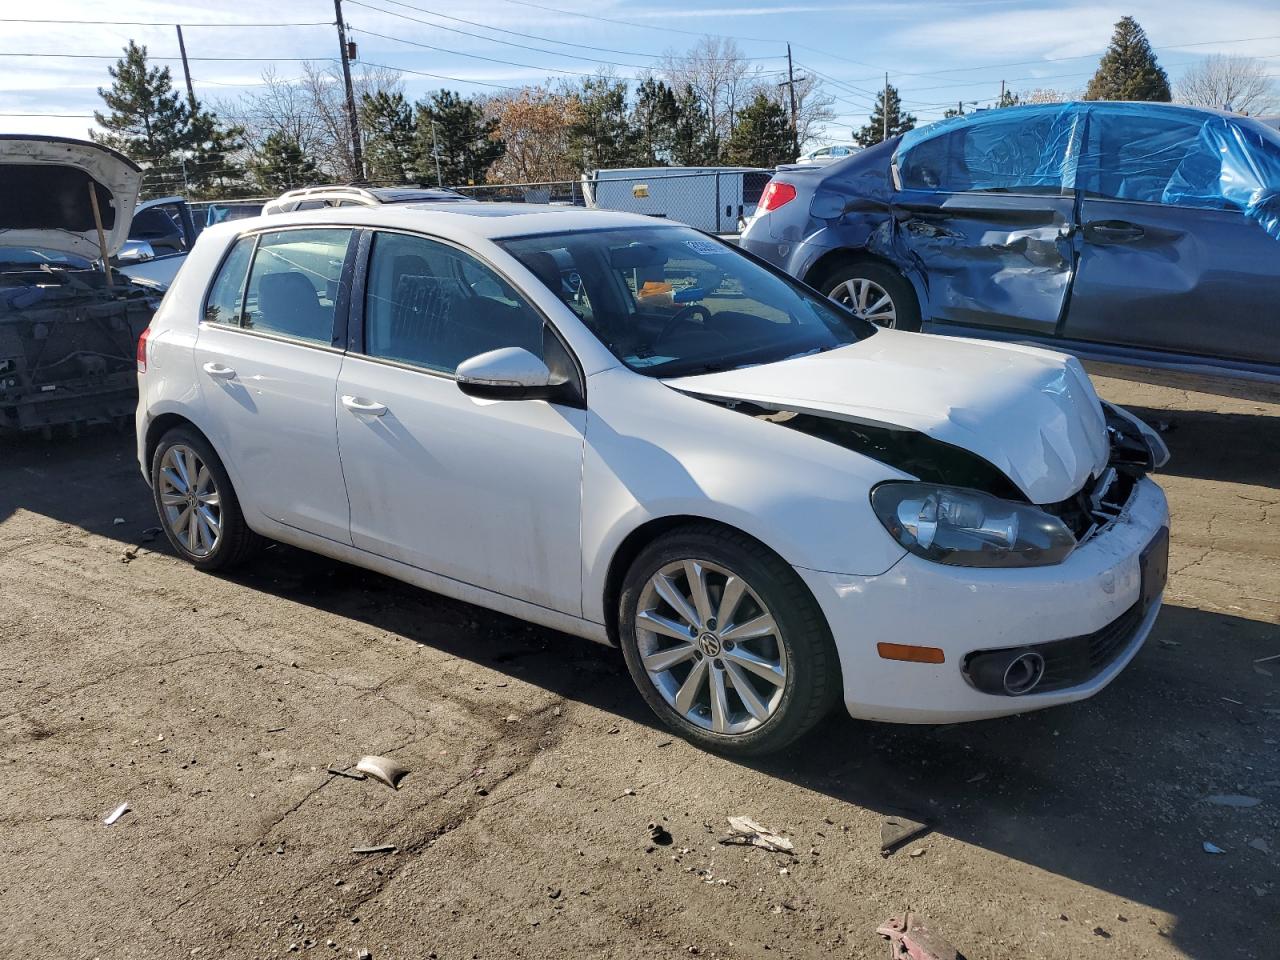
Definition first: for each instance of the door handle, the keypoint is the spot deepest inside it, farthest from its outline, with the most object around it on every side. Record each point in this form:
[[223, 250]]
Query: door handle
[[219, 370], [1113, 231], [369, 408]]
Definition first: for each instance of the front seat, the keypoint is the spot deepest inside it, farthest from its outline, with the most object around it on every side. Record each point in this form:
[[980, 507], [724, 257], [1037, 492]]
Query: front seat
[[288, 304]]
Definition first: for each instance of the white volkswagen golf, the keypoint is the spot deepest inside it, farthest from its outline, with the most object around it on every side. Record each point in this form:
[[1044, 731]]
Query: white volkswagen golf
[[632, 432]]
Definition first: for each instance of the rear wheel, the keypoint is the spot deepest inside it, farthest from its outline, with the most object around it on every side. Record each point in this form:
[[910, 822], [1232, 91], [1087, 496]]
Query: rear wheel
[[725, 642], [198, 508], [875, 292]]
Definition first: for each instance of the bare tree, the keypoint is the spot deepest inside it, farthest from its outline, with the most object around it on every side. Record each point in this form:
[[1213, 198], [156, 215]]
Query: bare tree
[[814, 108], [1046, 95], [310, 111], [1227, 83], [721, 77]]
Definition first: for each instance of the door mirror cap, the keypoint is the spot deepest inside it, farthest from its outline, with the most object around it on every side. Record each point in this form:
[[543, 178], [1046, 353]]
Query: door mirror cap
[[510, 373]]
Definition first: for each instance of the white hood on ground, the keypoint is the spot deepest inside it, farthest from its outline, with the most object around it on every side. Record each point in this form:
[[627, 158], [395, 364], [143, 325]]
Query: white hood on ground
[[1029, 412], [44, 194]]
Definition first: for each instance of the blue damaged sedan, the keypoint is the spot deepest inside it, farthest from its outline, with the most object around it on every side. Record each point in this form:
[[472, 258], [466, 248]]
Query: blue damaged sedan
[[1132, 232]]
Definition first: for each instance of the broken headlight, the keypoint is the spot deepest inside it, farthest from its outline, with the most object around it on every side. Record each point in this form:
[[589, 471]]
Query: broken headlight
[[966, 528]]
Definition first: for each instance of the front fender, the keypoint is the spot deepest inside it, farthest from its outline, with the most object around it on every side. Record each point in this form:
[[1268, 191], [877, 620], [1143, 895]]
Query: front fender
[[653, 452]]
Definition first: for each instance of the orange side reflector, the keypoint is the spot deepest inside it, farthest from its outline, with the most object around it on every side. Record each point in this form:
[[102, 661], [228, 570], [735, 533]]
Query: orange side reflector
[[910, 653]]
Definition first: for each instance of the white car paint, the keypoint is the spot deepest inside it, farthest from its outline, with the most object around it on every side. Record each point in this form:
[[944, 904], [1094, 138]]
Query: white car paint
[[522, 506]]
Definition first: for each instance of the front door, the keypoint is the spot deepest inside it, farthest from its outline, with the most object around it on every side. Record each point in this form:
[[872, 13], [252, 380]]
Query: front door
[[484, 492], [983, 209], [267, 369], [1166, 260]]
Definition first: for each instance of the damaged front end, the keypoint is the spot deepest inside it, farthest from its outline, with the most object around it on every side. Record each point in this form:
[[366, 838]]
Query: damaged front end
[[68, 330], [1135, 451], [67, 347]]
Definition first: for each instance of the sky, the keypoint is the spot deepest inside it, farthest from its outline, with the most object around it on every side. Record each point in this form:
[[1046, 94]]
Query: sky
[[936, 52]]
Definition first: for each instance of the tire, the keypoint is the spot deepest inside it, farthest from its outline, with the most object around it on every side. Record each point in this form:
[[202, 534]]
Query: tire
[[844, 283], [206, 545], [786, 707]]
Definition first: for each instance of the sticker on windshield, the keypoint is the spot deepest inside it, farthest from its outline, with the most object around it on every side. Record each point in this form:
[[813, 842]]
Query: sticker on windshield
[[707, 248]]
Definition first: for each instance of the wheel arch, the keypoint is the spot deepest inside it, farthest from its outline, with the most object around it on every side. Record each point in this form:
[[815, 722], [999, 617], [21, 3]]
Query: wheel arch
[[647, 533], [842, 257], [162, 424]]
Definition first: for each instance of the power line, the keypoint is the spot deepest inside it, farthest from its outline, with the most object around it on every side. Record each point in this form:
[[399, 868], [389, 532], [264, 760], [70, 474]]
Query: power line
[[437, 76], [473, 56], [162, 23], [116, 56], [509, 43]]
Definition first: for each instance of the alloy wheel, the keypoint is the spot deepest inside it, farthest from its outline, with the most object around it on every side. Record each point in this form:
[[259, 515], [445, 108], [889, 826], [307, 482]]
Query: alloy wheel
[[190, 500], [711, 647], [868, 300]]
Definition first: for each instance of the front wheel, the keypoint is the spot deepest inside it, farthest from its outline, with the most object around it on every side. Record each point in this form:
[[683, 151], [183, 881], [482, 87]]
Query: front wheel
[[874, 292], [725, 642]]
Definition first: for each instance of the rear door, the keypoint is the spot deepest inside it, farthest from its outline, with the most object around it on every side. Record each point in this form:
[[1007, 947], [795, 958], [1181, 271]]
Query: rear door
[[983, 210], [267, 368], [1166, 261]]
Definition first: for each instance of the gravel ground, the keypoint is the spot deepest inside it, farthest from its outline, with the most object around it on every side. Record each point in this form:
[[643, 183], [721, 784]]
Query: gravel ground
[[213, 706]]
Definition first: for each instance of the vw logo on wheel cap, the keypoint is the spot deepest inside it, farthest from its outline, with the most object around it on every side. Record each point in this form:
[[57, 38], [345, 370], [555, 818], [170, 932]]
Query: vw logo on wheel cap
[[710, 644]]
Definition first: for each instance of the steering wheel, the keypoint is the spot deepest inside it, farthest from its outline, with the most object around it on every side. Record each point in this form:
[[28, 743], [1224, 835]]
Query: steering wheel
[[683, 316]]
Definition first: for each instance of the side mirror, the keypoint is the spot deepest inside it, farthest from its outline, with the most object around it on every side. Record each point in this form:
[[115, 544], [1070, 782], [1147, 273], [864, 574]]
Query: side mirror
[[510, 373]]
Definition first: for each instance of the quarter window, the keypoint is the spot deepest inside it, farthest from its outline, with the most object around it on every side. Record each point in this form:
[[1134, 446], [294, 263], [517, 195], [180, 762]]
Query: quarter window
[[293, 285], [227, 294], [433, 306]]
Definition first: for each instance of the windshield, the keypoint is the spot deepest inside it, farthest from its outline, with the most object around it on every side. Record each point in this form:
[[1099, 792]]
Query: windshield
[[669, 301]]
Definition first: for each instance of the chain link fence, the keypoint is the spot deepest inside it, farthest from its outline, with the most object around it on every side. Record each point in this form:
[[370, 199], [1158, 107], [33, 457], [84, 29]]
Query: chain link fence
[[714, 200]]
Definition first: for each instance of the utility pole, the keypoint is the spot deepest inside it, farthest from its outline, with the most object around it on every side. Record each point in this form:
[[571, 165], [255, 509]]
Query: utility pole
[[1000, 102], [795, 123], [884, 111], [435, 152], [357, 154], [186, 70]]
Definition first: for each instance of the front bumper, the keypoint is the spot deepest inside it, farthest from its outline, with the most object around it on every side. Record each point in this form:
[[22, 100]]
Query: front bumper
[[964, 609]]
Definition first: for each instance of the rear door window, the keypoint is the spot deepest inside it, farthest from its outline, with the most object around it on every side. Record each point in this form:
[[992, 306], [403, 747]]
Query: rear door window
[[1018, 153], [293, 286], [226, 297]]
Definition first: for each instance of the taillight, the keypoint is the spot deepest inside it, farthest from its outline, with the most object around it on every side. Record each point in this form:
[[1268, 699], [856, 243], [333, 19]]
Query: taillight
[[142, 350], [776, 194]]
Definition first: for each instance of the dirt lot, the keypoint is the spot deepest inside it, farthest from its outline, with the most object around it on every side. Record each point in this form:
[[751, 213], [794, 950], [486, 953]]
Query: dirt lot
[[213, 706]]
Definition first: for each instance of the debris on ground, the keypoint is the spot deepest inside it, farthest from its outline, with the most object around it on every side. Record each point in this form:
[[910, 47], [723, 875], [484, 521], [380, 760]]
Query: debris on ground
[[746, 832], [383, 769], [1212, 848], [116, 814], [1101, 932], [1237, 800], [376, 848], [1274, 656], [149, 534], [129, 555], [976, 778], [895, 831], [354, 775], [913, 938], [917, 852], [118, 521], [1257, 843], [659, 835]]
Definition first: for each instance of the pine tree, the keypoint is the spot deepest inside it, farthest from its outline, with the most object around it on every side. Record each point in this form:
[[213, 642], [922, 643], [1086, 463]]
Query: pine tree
[[147, 118], [888, 103], [457, 127], [386, 120], [761, 136], [601, 135], [281, 165], [1128, 70], [181, 146], [654, 118], [694, 143]]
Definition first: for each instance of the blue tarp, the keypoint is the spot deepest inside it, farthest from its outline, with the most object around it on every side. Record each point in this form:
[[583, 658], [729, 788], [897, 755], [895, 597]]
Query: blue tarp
[[1149, 152]]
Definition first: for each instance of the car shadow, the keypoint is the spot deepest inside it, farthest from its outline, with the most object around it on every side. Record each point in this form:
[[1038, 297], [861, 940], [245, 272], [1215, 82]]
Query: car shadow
[[1108, 792], [1227, 447]]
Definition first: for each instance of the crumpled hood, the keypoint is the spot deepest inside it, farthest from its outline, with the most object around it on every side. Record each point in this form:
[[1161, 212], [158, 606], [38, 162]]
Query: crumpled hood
[[44, 194], [1031, 413]]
